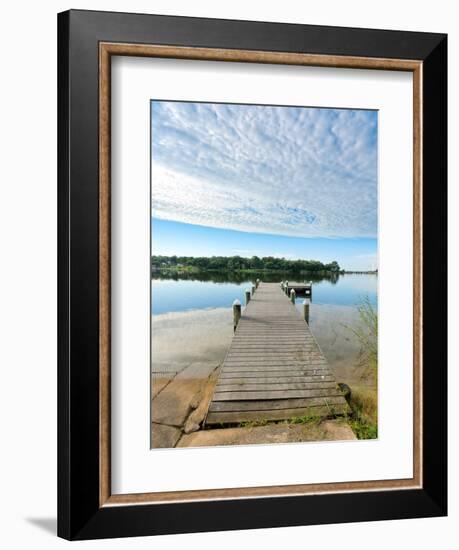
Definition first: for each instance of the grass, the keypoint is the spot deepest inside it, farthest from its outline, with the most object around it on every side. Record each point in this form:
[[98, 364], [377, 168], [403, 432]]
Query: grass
[[364, 417], [364, 399], [305, 419], [366, 333]]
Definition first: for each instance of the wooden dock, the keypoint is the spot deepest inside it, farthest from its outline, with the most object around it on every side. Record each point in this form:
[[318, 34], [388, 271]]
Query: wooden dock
[[299, 288], [274, 368]]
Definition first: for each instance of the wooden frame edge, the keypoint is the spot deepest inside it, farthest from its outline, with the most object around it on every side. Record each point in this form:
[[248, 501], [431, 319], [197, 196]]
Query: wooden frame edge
[[257, 56], [106, 50], [104, 276], [418, 365]]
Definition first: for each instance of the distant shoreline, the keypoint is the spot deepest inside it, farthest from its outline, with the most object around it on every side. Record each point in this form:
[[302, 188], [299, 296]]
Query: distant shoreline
[[196, 270], [345, 272]]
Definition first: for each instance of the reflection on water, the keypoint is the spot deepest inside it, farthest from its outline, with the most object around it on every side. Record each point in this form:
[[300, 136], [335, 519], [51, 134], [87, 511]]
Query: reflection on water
[[240, 276], [192, 320], [206, 290]]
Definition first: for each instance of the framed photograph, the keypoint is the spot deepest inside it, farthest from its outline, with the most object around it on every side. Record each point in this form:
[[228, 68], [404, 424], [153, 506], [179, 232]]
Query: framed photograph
[[252, 274]]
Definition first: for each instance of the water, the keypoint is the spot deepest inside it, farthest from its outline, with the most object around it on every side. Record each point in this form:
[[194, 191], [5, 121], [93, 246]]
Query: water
[[194, 312], [190, 292], [169, 295]]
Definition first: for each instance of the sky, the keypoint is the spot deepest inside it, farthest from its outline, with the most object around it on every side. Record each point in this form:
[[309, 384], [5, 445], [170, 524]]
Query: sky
[[248, 180]]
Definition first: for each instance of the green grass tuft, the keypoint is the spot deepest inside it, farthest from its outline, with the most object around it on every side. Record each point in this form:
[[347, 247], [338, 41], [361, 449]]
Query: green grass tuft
[[364, 417]]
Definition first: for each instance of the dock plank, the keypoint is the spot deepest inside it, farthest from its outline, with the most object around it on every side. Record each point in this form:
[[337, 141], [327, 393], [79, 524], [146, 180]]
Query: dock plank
[[288, 386], [230, 417], [226, 380], [221, 406], [273, 394]]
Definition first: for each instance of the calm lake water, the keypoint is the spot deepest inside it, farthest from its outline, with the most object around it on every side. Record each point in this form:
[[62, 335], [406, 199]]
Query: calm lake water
[[212, 290], [183, 305]]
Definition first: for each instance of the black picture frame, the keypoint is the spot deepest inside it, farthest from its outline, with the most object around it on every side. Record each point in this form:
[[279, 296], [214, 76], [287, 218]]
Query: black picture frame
[[80, 515]]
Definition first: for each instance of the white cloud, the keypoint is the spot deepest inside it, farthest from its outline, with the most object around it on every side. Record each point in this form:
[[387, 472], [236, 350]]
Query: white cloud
[[288, 171]]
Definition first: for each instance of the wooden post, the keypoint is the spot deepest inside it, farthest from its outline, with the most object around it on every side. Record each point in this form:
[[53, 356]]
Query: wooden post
[[286, 287], [236, 313], [306, 311], [292, 295], [257, 282], [253, 290], [247, 296]]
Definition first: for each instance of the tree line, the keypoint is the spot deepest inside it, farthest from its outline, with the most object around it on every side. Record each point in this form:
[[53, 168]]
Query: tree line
[[238, 263]]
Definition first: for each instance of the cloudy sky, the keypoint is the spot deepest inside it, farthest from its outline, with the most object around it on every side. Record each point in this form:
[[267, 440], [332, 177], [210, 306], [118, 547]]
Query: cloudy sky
[[245, 179]]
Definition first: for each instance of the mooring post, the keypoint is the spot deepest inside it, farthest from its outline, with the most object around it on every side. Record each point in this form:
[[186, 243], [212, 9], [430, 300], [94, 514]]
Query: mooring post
[[306, 311], [257, 282], [292, 295], [253, 290], [236, 313], [247, 296], [286, 287]]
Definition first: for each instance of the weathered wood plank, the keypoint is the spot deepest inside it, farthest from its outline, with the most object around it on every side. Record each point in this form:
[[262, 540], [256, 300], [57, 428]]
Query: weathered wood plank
[[283, 368], [259, 387], [221, 406], [305, 360], [281, 394], [229, 417], [281, 373], [273, 344], [277, 350], [278, 365], [224, 380], [277, 371]]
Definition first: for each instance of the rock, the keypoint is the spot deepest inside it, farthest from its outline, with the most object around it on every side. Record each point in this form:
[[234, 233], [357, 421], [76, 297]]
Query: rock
[[191, 426], [194, 403], [330, 430], [196, 418], [337, 431], [163, 437], [158, 384], [173, 404]]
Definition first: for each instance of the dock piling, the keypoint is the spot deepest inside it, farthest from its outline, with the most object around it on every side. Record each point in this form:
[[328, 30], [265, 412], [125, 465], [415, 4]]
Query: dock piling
[[257, 282], [292, 295], [247, 296], [236, 313], [253, 290], [306, 311]]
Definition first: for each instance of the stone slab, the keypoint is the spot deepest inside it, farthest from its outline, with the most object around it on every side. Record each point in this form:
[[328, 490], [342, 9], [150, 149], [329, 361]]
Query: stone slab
[[330, 430], [164, 437]]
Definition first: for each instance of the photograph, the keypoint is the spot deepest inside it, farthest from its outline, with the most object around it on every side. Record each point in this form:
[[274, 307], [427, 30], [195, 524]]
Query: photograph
[[264, 274]]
